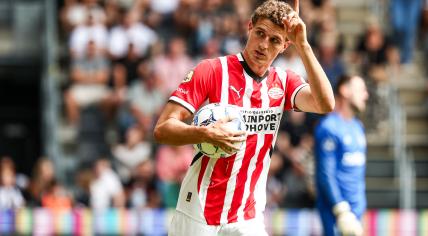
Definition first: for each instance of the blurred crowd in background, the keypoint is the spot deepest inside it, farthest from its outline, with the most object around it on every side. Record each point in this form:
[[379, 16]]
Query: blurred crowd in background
[[123, 58]]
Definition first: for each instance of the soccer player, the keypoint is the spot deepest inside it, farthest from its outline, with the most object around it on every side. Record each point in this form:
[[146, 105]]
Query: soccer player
[[340, 148], [227, 196]]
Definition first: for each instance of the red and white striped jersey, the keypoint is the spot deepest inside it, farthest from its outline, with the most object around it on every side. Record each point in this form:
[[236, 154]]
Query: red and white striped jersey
[[232, 189]]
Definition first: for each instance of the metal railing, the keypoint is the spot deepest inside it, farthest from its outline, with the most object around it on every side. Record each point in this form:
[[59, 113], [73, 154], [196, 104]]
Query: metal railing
[[403, 163], [50, 93]]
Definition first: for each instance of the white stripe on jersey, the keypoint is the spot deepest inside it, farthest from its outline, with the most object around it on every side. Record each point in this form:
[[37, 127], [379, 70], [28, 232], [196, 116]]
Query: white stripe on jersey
[[264, 94], [282, 75], [205, 183], [246, 100], [231, 184], [240, 58], [251, 168], [260, 189], [224, 81]]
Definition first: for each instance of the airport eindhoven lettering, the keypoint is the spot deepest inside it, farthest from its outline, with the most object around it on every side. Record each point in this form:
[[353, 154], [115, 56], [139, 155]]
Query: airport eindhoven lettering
[[261, 120]]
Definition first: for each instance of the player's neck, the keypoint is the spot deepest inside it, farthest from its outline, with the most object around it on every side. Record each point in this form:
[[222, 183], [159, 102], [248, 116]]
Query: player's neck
[[258, 69], [345, 110]]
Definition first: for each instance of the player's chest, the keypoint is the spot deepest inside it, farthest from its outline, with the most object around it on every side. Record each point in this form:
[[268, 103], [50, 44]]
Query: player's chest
[[353, 149], [353, 139], [245, 91]]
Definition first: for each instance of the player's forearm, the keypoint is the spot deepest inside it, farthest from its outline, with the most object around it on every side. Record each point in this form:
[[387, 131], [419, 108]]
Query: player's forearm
[[175, 132], [321, 89]]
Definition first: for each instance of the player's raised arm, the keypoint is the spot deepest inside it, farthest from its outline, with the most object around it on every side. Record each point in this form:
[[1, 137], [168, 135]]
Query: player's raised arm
[[318, 97]]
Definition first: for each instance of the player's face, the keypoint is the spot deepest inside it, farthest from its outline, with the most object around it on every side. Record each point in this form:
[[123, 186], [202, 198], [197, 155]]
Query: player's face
[[359, 94], [265, 41]]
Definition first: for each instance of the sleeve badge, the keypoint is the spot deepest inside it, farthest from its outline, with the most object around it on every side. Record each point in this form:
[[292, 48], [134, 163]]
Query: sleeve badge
[[188, 77], [328, 145]]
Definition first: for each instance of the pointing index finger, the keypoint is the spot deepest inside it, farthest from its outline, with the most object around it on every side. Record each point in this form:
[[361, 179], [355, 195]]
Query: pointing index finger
[[296, 6]]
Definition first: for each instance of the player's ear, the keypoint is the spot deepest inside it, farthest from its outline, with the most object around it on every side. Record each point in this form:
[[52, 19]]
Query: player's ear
[[250, 27], [344, 91], [286, 45]]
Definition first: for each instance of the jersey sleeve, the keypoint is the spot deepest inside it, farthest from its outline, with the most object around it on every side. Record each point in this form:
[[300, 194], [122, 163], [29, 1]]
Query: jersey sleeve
[[326, 151], [194, 89], [293, 85]]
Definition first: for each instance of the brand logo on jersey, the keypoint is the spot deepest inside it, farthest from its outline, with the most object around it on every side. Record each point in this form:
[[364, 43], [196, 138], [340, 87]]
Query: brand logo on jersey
[[238, 92], [182, 90], [276, 93], [188, 77]]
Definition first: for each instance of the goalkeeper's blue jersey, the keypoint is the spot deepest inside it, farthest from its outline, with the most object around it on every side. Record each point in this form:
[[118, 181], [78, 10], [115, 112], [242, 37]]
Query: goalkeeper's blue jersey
[[340, 149]]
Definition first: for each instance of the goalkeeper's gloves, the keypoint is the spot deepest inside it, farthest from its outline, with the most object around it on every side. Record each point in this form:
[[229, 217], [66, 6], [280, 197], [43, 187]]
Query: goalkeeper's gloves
[[346, 221]]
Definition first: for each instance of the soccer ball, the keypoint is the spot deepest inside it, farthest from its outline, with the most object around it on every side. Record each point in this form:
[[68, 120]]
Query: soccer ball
[[210, 114]]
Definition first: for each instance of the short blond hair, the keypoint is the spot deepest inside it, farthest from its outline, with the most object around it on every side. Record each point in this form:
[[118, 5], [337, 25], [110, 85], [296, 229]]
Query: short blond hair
[[274, 10]]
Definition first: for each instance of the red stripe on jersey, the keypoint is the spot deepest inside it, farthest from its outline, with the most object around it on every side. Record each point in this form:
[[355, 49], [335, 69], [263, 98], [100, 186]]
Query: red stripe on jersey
[[236, 81], [249, 209], [204, 164], [275, 83], [217, 189], [214, 96], [241, 178], [256, 96]]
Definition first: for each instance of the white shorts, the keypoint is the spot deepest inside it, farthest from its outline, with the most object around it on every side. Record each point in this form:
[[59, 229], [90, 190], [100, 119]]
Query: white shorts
[[183, 225]]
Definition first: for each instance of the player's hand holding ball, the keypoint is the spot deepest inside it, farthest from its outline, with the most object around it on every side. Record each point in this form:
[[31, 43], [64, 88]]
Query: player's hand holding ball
[[225, 130], [346, 221]]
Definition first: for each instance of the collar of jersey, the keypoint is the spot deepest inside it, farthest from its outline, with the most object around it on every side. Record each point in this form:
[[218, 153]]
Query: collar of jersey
[[248, 70]]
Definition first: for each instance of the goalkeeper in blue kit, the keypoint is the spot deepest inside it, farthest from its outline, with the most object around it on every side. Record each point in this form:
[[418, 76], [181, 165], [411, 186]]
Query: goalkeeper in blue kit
[[340, 149]]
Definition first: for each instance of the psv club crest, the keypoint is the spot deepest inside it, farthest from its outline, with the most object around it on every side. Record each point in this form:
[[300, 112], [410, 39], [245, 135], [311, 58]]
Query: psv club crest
[[276, 93]]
